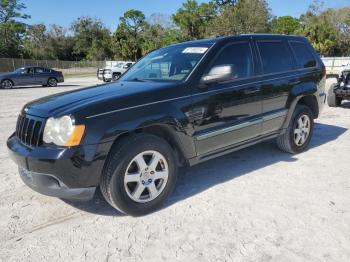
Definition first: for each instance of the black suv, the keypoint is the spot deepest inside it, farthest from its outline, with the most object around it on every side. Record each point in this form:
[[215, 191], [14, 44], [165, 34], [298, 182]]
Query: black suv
[[179, 105]]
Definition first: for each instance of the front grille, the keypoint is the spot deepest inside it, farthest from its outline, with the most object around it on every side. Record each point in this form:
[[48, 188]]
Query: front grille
[[29, 130]]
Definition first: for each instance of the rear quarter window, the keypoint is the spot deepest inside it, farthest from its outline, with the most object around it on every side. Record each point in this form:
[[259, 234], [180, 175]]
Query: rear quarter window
[[303, 55], [275, 56]]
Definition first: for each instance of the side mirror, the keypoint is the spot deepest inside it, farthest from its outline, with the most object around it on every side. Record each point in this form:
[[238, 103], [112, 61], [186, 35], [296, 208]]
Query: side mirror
[[219, 73]]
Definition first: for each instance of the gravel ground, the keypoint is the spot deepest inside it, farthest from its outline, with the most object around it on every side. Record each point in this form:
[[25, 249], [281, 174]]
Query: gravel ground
[[257, 204]]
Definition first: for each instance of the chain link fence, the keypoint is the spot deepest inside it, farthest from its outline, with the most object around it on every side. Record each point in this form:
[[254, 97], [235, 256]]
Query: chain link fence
[[334, 64], [10, 64]]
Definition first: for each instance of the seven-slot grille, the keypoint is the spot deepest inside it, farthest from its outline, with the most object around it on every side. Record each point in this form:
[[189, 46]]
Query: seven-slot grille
[[29, 130]]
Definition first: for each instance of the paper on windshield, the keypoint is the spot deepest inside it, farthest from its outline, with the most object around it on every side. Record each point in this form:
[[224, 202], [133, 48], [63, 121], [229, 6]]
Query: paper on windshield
[[195, 50]]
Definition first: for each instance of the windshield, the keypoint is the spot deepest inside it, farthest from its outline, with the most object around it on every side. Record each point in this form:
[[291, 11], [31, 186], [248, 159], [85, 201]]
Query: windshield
[[173, 63], [119, 65], [19, 70]]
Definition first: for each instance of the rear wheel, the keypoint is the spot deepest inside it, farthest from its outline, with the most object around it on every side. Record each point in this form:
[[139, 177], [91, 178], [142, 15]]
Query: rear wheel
[[332, 99], [298, 135], [6, 84], [139, 175], [52, 82]]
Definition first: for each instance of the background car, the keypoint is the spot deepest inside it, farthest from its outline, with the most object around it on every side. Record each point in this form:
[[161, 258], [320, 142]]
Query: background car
[[31, 75], [340, 90], [113, 73]]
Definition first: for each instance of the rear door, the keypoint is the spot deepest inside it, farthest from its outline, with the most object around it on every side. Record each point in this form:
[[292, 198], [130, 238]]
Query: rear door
[[40, 76], [228, 113], [278, 76]]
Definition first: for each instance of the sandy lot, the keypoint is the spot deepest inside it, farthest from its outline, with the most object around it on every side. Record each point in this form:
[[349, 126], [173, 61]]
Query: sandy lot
[[257, 204]]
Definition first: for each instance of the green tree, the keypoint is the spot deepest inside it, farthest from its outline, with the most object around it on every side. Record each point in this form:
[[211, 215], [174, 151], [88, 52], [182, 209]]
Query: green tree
[[192, 18], [285, 25], [225, 2], [35, 42], [128, 38], [11, 30], [90, 34], [61, 43], [327, 30], [246, 16]]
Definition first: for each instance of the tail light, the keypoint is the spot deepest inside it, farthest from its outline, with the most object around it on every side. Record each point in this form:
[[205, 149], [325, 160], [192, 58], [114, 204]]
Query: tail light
[[323, 73]]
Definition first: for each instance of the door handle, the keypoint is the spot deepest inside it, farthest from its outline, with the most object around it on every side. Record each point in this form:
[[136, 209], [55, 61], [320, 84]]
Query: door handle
[[251, 90], [294, 82]]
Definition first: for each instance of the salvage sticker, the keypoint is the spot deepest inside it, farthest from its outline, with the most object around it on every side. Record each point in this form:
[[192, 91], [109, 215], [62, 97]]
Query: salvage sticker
[[195, 50]]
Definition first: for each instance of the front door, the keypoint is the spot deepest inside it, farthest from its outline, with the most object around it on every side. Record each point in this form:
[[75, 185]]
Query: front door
[[26, 77], [225, 114]]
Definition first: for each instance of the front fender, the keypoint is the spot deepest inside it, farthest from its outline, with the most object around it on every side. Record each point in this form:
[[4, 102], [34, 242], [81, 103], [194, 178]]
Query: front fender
[[104, 129]]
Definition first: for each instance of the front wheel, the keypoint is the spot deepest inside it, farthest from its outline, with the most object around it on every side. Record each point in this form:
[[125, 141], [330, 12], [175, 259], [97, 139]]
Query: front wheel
[[299, 132], [6, 84], [139, 175]]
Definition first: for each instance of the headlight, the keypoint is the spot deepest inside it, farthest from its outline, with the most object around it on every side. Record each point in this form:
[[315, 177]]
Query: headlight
[[62, 131]]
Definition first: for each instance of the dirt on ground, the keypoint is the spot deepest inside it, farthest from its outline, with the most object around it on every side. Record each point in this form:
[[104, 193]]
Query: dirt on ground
[[257, 204]]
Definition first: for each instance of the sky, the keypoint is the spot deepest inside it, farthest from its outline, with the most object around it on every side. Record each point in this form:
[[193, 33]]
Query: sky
[[63, 12]]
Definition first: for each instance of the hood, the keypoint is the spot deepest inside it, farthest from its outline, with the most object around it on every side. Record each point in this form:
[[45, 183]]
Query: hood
[[118, 94]]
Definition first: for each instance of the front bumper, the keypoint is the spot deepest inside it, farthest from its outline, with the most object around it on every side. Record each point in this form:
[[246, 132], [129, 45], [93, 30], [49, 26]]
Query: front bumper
[[49, 185], [71, 173]]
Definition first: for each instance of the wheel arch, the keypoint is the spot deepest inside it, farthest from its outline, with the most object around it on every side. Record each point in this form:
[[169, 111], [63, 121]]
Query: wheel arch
[[308, 100], [9, 79], [166, 132]]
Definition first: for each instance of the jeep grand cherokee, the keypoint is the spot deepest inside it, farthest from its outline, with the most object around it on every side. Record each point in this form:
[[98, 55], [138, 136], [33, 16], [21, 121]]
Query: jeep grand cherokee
[[179, 105]]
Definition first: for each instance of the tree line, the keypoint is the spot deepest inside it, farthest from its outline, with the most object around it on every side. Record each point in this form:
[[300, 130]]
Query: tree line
[[89, 39]]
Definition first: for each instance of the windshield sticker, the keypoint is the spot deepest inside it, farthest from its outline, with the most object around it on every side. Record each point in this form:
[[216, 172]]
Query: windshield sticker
[[195, 50]]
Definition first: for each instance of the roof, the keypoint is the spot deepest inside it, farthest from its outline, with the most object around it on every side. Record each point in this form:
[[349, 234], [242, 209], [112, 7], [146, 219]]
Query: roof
[[209, 41]]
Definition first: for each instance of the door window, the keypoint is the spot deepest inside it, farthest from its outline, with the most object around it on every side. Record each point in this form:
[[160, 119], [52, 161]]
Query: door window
[[39, 70], [30, 70], [239, 55], [303, 55], [275, 56]]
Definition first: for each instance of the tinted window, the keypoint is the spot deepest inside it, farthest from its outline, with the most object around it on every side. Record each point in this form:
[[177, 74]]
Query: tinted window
[[239, 55], [30, 70], [303, 55], [275, 56], [39, 70]]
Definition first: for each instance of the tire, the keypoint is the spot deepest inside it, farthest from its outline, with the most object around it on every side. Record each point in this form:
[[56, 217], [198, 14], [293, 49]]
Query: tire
[[122, 165], [6, 84], [116, 76], [332, 99], [290, 141], [52, 82]]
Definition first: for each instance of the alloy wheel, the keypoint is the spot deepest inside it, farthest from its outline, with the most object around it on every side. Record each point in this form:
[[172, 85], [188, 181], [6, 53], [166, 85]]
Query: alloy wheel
[[146, 176], [52, 82], [6, 84], [302, 130]]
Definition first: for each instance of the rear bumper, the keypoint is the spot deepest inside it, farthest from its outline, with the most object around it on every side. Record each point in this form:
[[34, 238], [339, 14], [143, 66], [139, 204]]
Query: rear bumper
[[60, 79], [72, 173]]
